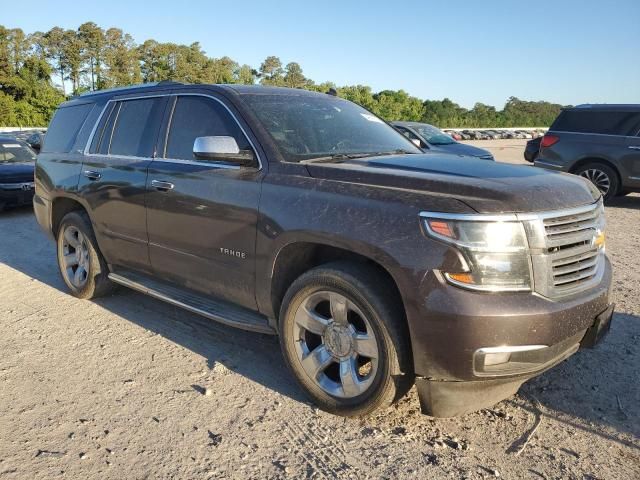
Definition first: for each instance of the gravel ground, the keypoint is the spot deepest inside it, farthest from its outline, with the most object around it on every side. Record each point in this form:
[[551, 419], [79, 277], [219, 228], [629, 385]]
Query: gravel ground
[[129, 387]]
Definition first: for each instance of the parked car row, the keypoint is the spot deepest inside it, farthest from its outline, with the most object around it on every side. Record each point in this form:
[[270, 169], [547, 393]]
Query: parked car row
[[493, 134]]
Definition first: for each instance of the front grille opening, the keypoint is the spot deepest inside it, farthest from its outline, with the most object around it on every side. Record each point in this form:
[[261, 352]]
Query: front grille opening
[[568, 246], [572, 260]]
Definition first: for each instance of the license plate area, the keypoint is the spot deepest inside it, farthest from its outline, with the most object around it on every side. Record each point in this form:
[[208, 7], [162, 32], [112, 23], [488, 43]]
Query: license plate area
[[599, 329]]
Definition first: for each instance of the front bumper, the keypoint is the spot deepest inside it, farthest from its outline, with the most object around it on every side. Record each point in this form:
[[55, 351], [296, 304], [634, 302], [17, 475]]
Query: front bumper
[[456, 325], [17, 194]]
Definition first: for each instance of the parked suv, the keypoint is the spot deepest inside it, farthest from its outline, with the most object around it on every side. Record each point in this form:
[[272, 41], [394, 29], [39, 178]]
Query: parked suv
[[598, 142], [301, 214]]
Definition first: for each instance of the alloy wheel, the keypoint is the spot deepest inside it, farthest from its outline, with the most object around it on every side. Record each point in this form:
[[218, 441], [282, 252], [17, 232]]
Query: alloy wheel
[[599, 178], [335, 344], [75, 259]]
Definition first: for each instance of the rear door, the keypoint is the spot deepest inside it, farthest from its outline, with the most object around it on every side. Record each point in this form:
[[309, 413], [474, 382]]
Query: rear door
[[114, 176], [202, 218], [632, 157]]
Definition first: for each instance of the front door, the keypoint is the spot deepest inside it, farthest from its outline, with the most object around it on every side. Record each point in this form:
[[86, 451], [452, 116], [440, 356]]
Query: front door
[[202, 215], [114, 176]]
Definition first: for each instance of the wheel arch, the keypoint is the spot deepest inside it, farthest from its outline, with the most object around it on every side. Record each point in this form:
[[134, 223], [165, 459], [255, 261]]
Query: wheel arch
[[296, 258], [61, 206], [584, 161]]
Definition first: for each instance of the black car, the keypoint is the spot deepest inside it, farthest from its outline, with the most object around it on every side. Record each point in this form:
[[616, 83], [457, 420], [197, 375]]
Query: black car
[[532, 149], [303, 215], [17, 162], [598, 142], [432, 139]]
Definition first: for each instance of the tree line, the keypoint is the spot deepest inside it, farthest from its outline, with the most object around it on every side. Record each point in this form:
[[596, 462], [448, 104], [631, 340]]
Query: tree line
[[40, 70]]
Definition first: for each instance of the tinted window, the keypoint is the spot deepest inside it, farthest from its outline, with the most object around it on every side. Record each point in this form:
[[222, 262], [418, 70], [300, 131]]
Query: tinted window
[[199, 117], [136, 127], [598, 121], [64, 127], [307, 126]]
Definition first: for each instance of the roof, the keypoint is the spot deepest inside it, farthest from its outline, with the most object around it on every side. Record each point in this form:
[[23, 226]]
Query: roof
[[607, 107], [267, 90], [238, 88]]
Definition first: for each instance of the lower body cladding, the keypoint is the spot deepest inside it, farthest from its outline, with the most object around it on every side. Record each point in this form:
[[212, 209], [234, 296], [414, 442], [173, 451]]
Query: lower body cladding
[[16, 195], [472, 350]]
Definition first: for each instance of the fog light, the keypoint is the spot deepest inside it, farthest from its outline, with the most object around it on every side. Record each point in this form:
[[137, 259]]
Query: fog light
[[496, 358]]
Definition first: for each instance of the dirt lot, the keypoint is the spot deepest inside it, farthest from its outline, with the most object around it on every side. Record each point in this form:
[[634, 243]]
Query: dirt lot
[[509, 151], [129, 387]]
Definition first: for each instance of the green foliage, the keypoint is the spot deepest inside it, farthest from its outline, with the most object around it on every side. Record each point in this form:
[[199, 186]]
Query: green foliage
[[91, 58]]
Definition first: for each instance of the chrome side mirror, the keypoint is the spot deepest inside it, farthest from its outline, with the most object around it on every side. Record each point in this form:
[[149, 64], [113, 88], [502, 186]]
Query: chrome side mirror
[[222, 149]]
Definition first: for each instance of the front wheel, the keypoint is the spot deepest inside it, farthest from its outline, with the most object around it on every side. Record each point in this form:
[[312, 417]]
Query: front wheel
[[81, 264], [345, 340]]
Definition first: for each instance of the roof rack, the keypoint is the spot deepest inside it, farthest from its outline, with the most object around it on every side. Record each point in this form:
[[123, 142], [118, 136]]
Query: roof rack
[[131, 87]]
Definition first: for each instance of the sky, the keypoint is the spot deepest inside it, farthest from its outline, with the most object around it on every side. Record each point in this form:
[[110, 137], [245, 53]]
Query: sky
[[562, 51]]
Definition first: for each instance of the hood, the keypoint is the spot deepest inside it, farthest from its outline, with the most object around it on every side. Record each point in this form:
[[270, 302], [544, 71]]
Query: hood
[[460, 149], [487, 187], [16, 172]]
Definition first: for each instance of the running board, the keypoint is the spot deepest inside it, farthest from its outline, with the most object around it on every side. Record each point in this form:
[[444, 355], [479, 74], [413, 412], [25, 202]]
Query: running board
[[220, 311]]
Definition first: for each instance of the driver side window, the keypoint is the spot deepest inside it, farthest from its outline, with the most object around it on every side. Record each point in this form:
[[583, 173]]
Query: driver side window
[[196, 116]]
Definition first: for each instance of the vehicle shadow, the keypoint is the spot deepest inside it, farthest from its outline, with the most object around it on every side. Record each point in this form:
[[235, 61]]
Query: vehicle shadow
[[597, 387], [631, 201], [596, 390]]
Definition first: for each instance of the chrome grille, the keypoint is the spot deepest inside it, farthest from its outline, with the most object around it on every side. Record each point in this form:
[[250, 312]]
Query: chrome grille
[[565, 257]]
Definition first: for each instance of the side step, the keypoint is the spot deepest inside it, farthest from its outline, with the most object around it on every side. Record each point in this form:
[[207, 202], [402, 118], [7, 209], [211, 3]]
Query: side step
[[218, 310]]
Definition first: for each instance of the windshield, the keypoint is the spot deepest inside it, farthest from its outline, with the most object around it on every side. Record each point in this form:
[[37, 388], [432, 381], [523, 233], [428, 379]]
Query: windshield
[[13, 152], [433, 135], [305, 127]]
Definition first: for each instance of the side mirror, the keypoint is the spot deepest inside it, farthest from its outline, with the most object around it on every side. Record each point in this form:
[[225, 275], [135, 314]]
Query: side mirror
[[416, 142], [222, 149]]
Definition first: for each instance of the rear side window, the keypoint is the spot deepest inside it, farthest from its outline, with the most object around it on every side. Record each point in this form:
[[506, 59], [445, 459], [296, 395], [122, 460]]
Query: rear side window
[[64, 128], [199, 117], [598, 121], [135, 127]]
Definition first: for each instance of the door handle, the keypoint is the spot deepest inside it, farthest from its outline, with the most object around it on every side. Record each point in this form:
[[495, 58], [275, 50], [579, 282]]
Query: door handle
[[162, 186], [92, 175], [634, 147]]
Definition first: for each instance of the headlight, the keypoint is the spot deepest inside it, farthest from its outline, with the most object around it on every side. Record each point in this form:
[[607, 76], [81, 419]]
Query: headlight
[[495, 250]]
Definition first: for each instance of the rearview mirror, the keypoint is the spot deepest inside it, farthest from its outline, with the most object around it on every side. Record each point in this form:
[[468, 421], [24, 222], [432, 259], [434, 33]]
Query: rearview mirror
[[223, 149]]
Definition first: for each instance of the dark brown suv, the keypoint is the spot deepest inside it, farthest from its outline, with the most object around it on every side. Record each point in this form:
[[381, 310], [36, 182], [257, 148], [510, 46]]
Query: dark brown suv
[[304, 215]]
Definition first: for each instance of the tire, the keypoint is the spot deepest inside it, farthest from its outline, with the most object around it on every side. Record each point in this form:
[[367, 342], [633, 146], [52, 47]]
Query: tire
[[81, 265], [352, 315], [603, 177]]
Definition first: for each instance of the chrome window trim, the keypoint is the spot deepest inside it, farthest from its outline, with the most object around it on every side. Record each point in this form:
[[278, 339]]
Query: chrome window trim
[[195, 162], [172, 160]]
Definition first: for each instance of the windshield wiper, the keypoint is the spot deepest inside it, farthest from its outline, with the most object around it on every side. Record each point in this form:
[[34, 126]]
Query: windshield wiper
[[343, 157], [337, 158]]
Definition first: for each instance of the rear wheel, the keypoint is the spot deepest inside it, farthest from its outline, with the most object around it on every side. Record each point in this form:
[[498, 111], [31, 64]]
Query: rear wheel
[[81, 264], [345, 340], [602, 176]]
